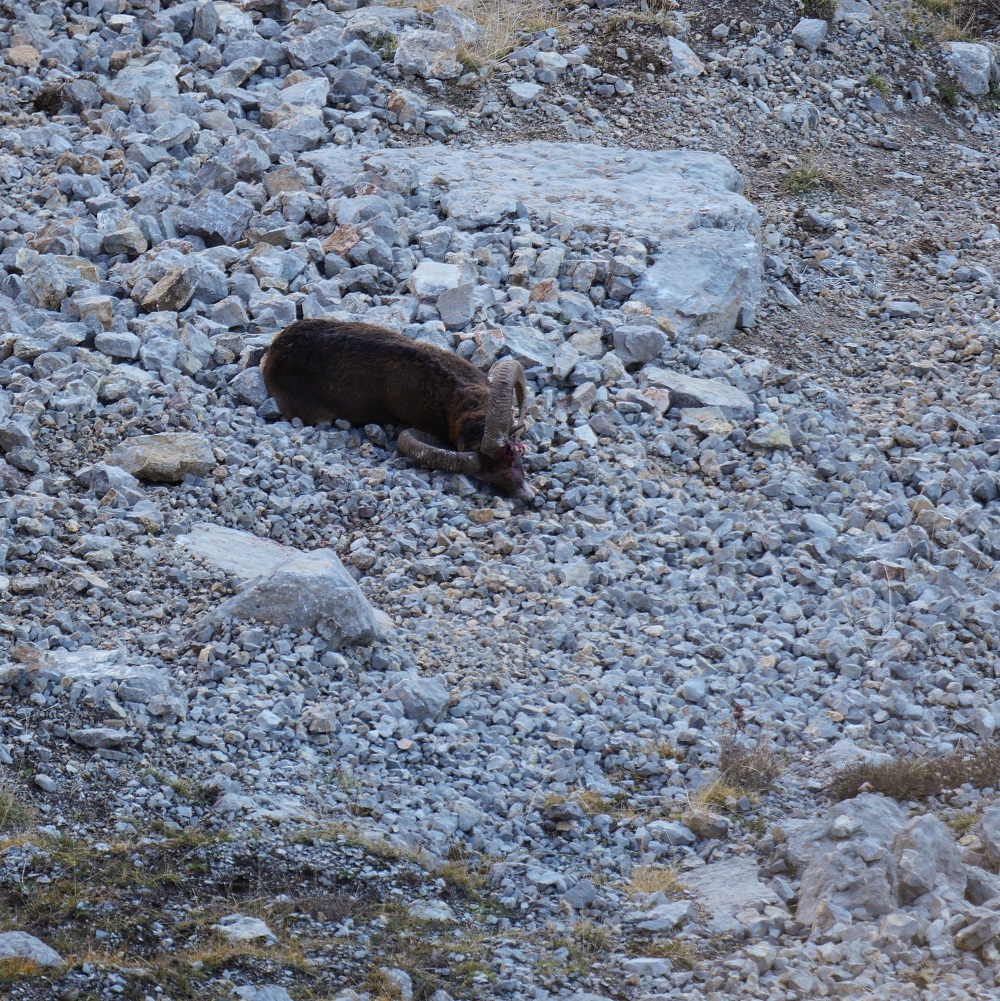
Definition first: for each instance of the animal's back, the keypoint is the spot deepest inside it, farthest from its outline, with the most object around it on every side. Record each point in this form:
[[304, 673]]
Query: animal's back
[[324, 370]]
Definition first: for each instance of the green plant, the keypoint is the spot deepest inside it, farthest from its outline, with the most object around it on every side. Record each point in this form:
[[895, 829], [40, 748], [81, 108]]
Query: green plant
[[386, 46], [949, 95], [822, 9], [963, 821], [877, 83], [806, 179]]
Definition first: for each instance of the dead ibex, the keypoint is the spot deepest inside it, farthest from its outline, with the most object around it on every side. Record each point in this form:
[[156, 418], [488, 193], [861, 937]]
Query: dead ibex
[[320, 370]]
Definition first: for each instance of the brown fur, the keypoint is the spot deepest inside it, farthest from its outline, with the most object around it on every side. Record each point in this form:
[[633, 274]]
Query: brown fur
[[328, 369]]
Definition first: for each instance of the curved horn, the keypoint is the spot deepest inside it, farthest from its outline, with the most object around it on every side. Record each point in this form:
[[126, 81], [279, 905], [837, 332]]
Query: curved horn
[[426, 449], [506, 380]]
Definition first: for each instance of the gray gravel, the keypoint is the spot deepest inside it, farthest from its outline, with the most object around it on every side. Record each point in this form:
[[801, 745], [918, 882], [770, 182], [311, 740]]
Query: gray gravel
[[764, 439]]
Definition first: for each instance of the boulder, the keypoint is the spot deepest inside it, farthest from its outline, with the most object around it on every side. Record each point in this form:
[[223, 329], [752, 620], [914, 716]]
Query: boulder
[[809, 33], [165, 457], [683, 61], [423, 699], [690, 391], [706, 271], [21, 945], [427, 53], [927, 859], [287, 586], [972, 64]]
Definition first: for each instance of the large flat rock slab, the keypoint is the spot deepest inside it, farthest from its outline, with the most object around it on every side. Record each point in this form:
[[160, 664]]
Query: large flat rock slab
[[725, 888], [285, 586], [243, 555], [688, 207]]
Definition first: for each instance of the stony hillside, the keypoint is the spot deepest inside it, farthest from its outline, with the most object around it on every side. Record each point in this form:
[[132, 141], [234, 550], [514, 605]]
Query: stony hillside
[[286, 715]]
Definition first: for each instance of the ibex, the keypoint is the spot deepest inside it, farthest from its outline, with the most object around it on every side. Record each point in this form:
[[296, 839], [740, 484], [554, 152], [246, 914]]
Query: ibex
[[320, 370]]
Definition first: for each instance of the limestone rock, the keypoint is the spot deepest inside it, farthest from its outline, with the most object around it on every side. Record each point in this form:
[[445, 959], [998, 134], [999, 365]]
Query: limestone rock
[[142, 81], [978, 933], [427, 53], [217, 217], [637, 344], [239, 928], [689, 391], [431, 279], [725, 888], [705, 823], [21, 945], [663, 917], [321, 47], [172, 292], [422, 698], [683, 60], [165, 457], [304, 590], [971, 64], [989, 832], [706, 274], [928, 859], [239, 553], [430, 910], [809, 33], [866, 889], [101, 736]]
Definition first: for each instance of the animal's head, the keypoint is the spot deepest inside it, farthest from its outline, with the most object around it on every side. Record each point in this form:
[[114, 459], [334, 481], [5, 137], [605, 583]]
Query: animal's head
[[506, 471], [497, 456]]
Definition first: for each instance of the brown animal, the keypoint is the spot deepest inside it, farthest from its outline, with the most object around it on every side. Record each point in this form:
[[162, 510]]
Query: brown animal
[[320, 370]]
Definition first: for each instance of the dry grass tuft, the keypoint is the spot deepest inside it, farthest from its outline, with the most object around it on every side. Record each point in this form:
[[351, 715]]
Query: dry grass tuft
[[955, 20], [16, 968], [752, 767], [586, 944], [917, 777], [822, 9], [654, 879], [717, 795], [469, 877], [682, 955], [14, 812], [807, 179], [500, 21]]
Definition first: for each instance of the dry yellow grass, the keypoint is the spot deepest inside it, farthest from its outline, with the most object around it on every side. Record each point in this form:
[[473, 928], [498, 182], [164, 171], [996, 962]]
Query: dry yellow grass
[[499, 21], [654, 879], [716, 794], [946, 20], [15, 813]]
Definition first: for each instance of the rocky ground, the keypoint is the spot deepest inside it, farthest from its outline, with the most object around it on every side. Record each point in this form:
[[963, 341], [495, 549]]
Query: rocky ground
[[712, 716]]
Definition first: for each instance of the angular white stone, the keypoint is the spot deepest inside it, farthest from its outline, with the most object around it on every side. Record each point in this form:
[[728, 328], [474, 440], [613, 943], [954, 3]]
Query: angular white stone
[[21, 945], [288, 586], [430, 279], [972, 64], [238, 928]]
